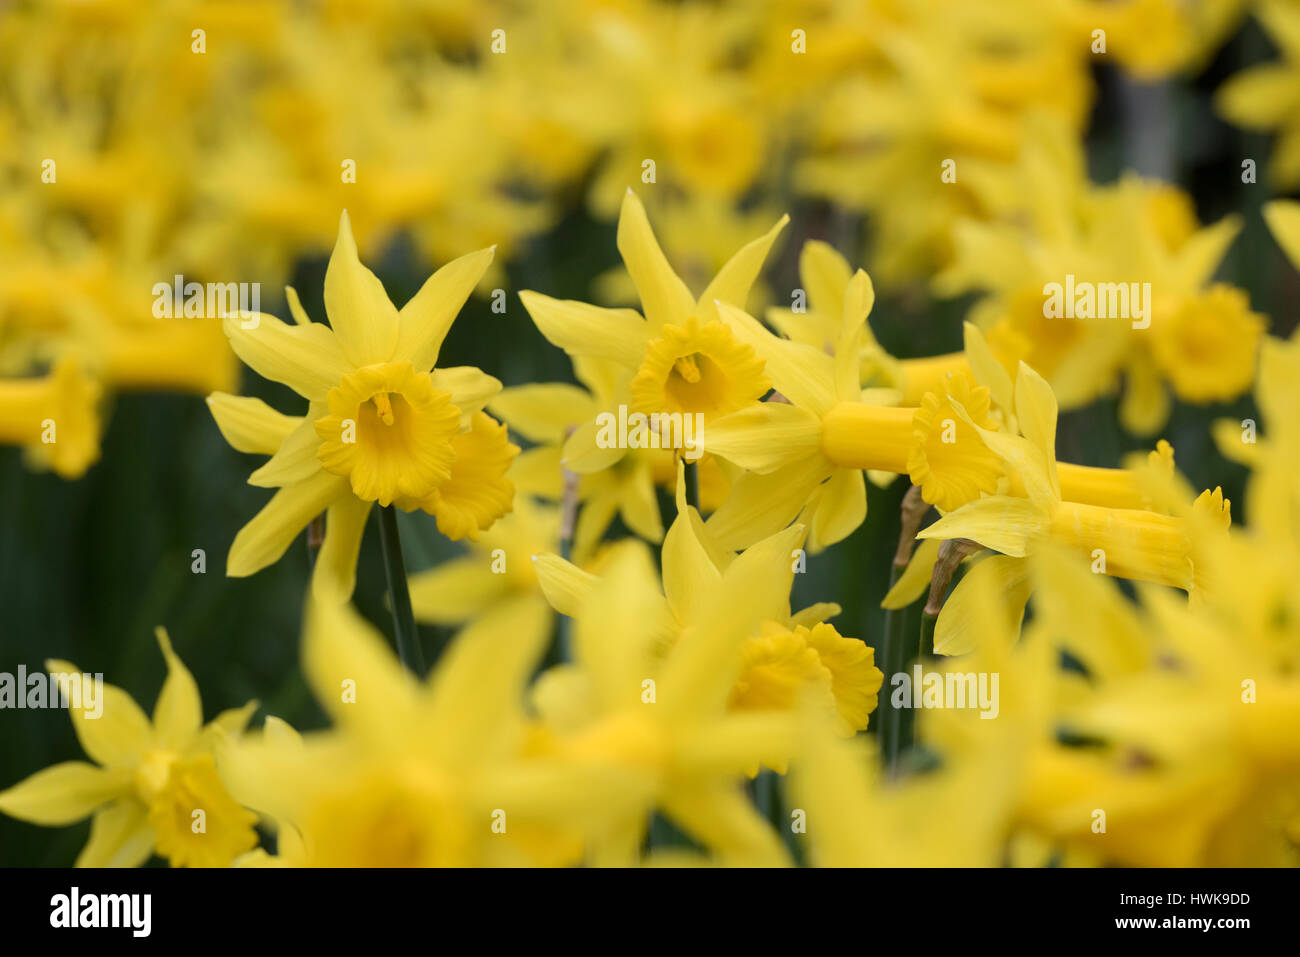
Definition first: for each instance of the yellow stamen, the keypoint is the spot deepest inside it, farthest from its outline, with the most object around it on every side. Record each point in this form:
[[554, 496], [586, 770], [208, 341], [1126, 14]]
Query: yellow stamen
[[384, 406], [687, 369]]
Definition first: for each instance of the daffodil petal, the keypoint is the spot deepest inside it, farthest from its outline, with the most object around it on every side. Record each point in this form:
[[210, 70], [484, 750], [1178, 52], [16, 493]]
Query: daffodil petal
[[963, 618], [424, 320], [760, 505], [360, 312], [1283, 218], [120, 836], [63, 793], [665, 300], [305, 358], [118, 734], [581, 329], [798, 371], [916, 577], [295, 459], [841, 508], [470, 389], [765, 436], [489, 661], [1001, 523], [543, 411], [178, 713], [737, 275], [455, 591], [264, 539], [689, 575], [583, 454], [825, 275], [250, 425], [335, 574], [565, 585]]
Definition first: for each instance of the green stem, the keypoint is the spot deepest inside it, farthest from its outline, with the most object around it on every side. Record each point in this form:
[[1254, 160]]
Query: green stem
[[404, 631], [925, 648], [693, 485], [892, 660]]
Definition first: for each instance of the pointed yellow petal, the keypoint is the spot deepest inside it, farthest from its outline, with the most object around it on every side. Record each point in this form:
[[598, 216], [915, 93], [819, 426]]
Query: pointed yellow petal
[[736, 277], [765, 436], [470, 389], [825, 275], [916, 577], [335, 574], [721, 818], [295, 460], [665, 300], [119, 734], [987, 370], [859, 300], [305, 358], [760, 505], [353, 674], [565, 585], [456, 591], [1283, 218], [804, 375], [250, 425], [120, 836], [583, 453], [638, 506], [689, 575], [841, 508], [295, 307], [178, 712], [264, 539], [543, 411], [360, 312], [479, 681], [1001, 523], [1036, 413], [581, 329], [63, 793], [425, 319], [964, 619]]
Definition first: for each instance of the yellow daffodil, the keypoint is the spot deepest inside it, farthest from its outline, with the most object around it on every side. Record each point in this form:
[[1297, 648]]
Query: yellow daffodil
[[679, 360], [1123, 542], [441, 772], [498, 569], [784, 660], [54, 417], [1265, 97], [383, 425], [155, 787]]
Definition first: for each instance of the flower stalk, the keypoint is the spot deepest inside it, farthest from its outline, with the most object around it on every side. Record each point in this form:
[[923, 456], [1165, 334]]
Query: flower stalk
[[405, 635]]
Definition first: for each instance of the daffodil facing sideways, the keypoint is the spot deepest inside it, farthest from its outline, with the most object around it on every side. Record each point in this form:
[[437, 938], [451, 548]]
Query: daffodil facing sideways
[[678, 360], [808, 454], [155, 788], [54, 417], [1134, 543], [383, 425], [445, 771], [687, 685]]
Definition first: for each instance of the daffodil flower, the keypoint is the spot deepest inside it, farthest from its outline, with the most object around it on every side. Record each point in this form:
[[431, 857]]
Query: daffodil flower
[[497, 571], [53, 417], [710, 663], [383, 424], [154, 781], [1125, 543], [825, 276], [444, 771], [680, 359]]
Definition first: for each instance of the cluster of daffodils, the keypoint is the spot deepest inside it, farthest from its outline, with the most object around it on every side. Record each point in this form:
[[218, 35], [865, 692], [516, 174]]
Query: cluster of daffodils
[[599, 693], [143, 144]]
